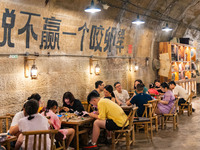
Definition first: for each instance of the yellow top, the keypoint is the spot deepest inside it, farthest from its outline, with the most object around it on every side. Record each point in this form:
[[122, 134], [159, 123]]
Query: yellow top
[[110, 110]]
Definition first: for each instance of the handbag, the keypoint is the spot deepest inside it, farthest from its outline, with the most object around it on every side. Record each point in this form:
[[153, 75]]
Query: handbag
[[59, 136]]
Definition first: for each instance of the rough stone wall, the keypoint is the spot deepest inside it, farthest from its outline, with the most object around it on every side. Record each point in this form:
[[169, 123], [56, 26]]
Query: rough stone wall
[[60, 74]]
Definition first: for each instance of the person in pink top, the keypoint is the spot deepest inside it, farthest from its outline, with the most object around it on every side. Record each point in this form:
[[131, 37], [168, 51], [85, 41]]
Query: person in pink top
[[152, 90], [55, 121]]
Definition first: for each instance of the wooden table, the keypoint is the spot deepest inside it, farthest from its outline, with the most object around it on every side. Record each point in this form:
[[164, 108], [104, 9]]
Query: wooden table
[[127, 109], [76, 123], [8, 140]]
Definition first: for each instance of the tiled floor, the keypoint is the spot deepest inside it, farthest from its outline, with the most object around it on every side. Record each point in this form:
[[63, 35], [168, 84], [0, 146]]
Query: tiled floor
[[186, 137]]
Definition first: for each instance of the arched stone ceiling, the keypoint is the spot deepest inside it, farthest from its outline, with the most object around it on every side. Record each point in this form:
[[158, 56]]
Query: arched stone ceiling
[[180, 14]]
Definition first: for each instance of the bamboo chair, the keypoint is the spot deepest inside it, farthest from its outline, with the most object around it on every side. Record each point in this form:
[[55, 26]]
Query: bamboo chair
[[10, 115], [187, 105], [38, 141], [154, 104], [146, 120], [61, 144], [131, 93], [129, 132], [5, 123], [86, 106], [165, 118]]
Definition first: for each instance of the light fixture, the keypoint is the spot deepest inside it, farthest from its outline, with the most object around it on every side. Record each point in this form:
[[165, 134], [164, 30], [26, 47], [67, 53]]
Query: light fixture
[[166, 28], [92, 8], [136, 67], [96, 69], [138, 21], [33, 72]]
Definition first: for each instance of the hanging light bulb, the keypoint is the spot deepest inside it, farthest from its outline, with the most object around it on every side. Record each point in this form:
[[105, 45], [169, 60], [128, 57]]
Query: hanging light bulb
[[138, 21], [92, 8], [166, 28], [34, 71], [97, 69]]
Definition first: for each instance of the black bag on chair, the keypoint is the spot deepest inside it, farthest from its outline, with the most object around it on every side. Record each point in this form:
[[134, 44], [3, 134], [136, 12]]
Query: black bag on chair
[[59, 137]]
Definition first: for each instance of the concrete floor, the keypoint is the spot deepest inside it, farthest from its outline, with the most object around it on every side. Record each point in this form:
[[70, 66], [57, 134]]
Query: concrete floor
[[186, 137]]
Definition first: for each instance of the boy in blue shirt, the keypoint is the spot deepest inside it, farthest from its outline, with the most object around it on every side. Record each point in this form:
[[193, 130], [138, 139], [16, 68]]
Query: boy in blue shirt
[[140, 99]]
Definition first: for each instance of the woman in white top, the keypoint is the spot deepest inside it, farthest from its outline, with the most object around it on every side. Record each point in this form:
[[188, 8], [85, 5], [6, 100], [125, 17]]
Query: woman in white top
[[33, 122], [14, 129]]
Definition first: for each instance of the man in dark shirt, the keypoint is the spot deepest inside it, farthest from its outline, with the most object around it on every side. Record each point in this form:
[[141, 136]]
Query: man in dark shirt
[[140, 99], [99, 87]]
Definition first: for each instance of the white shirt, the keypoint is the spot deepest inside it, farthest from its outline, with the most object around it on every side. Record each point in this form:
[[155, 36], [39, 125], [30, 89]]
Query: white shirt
[[181, 92], [17, 117], [39, 122], [123, 96]]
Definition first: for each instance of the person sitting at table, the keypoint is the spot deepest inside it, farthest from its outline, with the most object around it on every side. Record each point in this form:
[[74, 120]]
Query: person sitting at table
[[111, 117], [70, 104], [157, 87], [153, 91], [140, 99], [121, 94], [138, 81], [180, 92], [55, 121], [33, 122], [108, 93], [14, 130], [99, 87], [165, 105], [37, 97]]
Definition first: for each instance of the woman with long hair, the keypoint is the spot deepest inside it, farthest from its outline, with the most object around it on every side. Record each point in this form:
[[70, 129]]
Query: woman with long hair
[[70, 104]]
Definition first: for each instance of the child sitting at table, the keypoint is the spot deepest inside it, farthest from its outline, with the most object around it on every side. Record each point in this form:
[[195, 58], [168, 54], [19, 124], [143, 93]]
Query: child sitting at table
[[33, 122], [140, 99], [51, 109]]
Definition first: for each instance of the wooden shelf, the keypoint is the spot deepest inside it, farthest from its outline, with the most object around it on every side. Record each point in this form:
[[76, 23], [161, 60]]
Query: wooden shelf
[[181, 57]]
